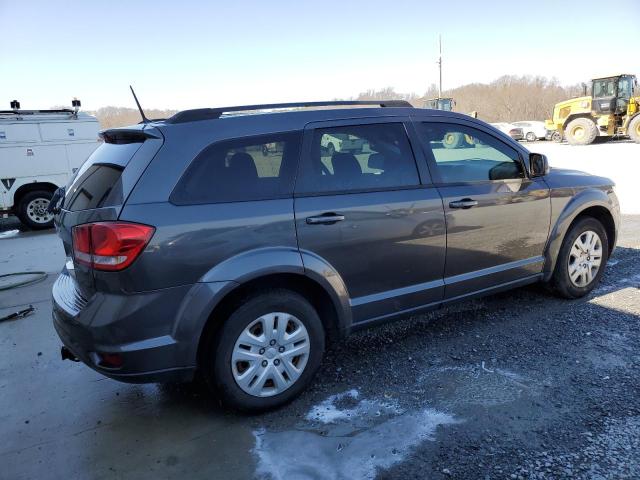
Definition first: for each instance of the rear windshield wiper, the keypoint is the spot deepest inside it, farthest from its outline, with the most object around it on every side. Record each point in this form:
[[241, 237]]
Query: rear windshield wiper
[[55, 204]]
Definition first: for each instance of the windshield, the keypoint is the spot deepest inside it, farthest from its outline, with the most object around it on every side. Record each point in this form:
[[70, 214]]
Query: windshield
[[625, 87], [444, 104]]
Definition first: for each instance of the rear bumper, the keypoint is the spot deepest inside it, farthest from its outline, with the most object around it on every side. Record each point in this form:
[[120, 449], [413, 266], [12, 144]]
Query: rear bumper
[[126, 325]]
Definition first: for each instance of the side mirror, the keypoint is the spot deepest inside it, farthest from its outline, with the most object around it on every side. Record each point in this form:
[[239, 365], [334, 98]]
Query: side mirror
[[538, 164]]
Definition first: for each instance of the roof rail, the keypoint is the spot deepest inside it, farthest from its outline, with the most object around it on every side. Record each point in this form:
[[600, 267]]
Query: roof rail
[[213, 113]]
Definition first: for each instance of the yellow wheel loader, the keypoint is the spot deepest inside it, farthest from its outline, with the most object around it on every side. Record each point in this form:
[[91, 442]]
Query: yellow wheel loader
[[613, 109], [438, 103]]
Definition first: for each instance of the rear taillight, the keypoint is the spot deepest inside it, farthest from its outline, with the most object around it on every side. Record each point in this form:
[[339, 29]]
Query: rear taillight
[[513, 132], [110, 246]]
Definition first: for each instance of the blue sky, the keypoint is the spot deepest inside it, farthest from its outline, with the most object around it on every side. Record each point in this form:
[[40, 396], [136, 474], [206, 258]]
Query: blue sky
[[185, 54]]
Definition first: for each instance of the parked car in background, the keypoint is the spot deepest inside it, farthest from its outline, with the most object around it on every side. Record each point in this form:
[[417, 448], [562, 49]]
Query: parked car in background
[[40, 150], [190, 251], [533, 130], [554, 136], [514, 132]]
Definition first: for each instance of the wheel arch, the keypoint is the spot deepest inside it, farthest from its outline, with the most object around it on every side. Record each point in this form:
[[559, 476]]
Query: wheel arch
[[211, 300], [590, 203], [22, 190], [574, 116]]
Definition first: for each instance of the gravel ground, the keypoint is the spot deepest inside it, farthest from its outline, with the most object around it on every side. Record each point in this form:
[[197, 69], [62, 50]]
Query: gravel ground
[[525, 385]]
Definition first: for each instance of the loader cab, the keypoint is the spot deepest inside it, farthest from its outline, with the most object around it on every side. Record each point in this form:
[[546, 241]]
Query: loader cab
[[445, 104], [611, 94]]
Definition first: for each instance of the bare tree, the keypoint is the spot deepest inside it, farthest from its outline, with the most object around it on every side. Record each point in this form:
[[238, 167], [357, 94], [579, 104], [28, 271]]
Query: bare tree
[[110, 117], [509, 98]]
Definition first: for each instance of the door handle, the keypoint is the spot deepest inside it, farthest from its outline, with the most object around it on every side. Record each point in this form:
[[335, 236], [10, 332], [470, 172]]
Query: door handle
[[325, 219], [464, 203]]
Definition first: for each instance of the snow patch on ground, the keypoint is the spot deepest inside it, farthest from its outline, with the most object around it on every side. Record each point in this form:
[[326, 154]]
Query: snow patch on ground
[[353, 442], [329, 411]]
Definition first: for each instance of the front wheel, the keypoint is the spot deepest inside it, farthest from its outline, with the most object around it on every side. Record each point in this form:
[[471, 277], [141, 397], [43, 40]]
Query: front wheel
[[32, 210], [266, 352], [581, 259], [581, 131]]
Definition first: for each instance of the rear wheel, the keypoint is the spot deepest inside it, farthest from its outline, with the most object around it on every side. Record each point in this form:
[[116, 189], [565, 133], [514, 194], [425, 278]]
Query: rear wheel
[[581, 259], [266, 353], [556, 137], [581, 131], [32, 210], [531, 137], [634, 129]]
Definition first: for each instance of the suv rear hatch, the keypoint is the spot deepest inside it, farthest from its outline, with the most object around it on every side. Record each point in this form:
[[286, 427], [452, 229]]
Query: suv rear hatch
[[99, 190]]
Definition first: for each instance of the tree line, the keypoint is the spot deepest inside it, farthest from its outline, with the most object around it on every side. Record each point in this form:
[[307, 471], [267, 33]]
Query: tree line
[[507, 99]]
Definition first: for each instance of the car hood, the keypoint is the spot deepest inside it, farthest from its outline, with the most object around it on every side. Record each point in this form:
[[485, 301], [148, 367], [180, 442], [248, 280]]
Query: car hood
[[564, 177]]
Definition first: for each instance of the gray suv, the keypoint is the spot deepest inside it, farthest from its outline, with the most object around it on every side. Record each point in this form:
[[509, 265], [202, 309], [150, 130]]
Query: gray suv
[[235, 245]]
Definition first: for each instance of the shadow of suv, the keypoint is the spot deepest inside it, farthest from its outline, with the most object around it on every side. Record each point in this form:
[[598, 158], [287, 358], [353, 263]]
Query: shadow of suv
[[238, 245]]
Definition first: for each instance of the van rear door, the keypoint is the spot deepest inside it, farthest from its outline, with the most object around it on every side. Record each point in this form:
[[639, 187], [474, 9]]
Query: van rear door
[[100, 188]]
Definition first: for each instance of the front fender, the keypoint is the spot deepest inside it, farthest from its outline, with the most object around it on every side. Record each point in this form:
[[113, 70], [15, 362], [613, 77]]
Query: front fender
[[591, 197]]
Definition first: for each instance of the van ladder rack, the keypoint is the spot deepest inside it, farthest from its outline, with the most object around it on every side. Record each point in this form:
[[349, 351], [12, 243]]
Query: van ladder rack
[[213, 113], [35, 112]]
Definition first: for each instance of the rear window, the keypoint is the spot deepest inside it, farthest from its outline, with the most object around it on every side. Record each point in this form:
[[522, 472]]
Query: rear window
[[250, 168], [98, 182]]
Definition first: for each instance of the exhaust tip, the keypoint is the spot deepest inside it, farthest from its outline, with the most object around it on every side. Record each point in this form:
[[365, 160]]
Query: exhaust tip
[[67, 354]]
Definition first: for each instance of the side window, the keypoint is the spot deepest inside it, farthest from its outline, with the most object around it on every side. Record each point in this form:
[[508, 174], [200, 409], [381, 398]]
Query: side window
[[358, 157], [251, 168], [464, 154]]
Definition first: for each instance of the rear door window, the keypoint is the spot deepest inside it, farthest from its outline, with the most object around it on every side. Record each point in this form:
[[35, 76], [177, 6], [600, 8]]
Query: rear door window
[[98, 181], [358, 157], [250, 168]]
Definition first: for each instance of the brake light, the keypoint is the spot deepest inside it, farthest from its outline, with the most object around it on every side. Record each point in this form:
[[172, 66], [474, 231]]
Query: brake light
[[110, 246]]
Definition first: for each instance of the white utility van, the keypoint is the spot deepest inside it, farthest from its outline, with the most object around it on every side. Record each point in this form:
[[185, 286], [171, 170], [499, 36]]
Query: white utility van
[[39, 151]]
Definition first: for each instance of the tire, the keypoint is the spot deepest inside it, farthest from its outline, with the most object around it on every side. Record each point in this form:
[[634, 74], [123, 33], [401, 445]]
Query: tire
[[634, 129], [561, 280], [581, 131], [531, 137], [556, 137], [32, 210], [453, 140], [224, 352]]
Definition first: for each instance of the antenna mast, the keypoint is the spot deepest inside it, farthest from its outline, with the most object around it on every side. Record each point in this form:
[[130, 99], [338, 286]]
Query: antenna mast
[[144, 118], [440, 66]]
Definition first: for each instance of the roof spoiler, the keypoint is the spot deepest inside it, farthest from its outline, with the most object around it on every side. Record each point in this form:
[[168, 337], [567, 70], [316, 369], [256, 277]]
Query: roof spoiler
[[121, 136], [213, 113]]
